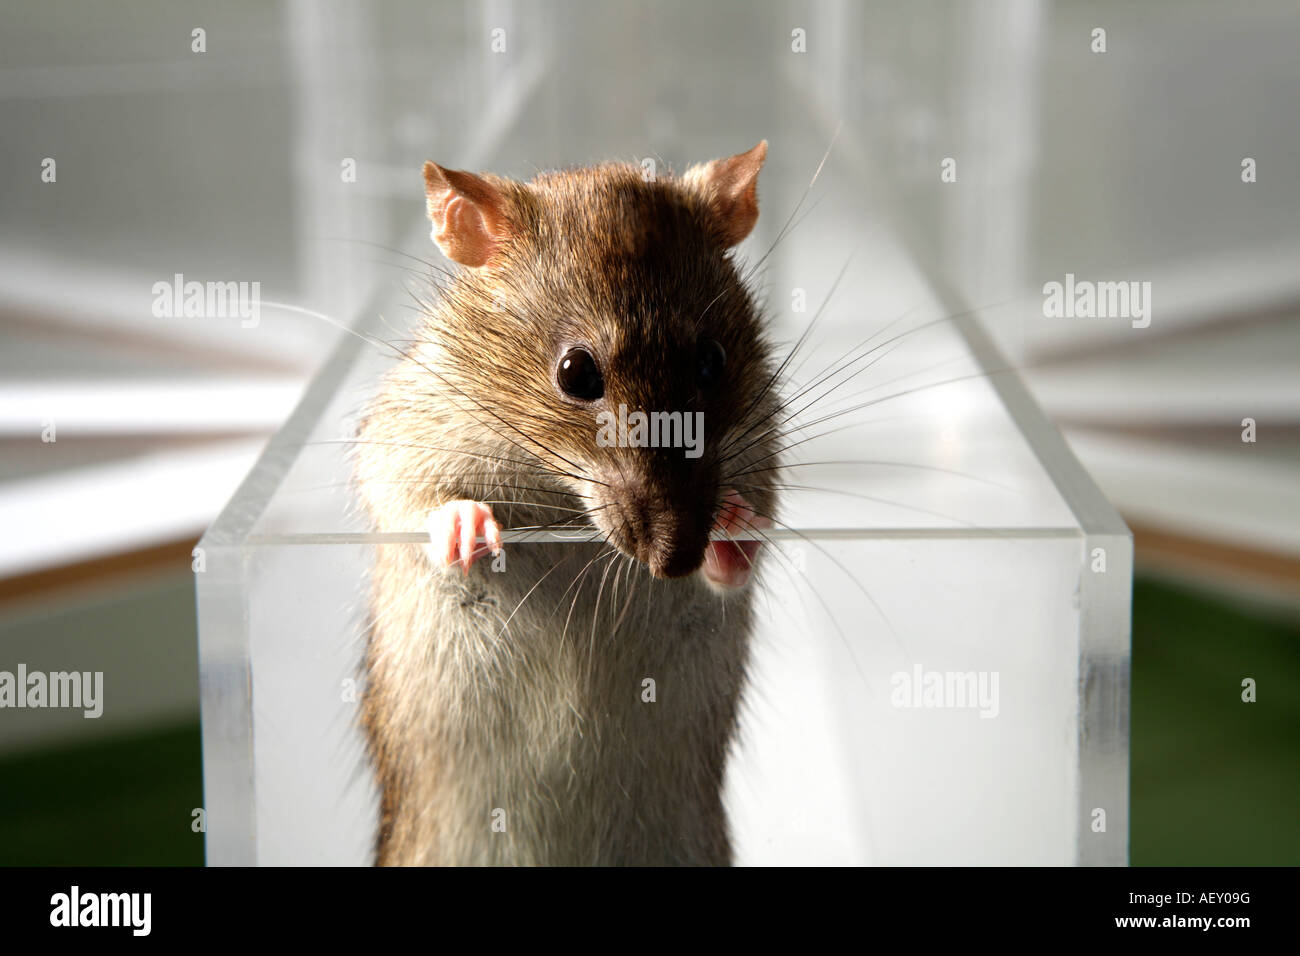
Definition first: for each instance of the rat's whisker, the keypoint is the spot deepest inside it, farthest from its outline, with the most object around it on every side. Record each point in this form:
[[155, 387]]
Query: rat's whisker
[[851, 358], [836, 367], [886, 398], [791, 569], [436, 267], [467, 453], [780, 434], [578, 581], [865, 462], [423, 365], [629, 570], [530, 591], [410, 355], [776, 374], [885, 501], [364, 337], [610, 562], [700, 317], [845, 571], [786, 227], [587, 532]]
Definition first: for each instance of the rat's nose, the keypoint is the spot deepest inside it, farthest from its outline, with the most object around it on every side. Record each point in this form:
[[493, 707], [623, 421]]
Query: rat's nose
[[663, 543], [675, 556], [660, 535]]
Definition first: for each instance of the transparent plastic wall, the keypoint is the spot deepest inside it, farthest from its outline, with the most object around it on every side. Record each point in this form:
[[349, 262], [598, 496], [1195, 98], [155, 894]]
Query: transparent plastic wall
[[884, 584], [940, 661]]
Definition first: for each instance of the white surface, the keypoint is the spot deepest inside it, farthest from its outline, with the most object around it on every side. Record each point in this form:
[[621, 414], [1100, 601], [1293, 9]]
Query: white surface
[[829, 771], [146, 407], [98, 510], [1240, 497]]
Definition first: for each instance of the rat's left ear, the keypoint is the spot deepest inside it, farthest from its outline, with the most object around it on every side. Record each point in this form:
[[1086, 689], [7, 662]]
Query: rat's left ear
[[730, 186]]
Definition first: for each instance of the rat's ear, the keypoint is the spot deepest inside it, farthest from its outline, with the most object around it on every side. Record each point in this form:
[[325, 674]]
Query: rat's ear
[[730, 186], [468, 214]]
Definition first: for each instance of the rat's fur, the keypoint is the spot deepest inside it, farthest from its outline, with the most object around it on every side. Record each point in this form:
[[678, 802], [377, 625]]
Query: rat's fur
[[522, 690]]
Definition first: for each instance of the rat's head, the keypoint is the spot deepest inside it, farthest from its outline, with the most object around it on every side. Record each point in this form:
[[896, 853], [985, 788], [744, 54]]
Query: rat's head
[[602, 329]]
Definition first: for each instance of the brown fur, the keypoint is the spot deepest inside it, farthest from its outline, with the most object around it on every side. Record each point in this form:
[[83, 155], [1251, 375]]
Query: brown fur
[[522, 690]]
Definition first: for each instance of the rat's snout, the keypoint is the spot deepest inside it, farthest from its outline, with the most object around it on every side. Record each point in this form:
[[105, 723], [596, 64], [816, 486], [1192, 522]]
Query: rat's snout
[[674, 555], [665, 536]]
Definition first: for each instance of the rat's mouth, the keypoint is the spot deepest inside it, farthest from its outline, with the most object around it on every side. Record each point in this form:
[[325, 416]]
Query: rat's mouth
[[729, 564]]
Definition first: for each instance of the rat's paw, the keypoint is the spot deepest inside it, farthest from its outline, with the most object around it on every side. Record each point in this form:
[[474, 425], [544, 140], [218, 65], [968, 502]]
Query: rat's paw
[[729, 563], [454, 530]]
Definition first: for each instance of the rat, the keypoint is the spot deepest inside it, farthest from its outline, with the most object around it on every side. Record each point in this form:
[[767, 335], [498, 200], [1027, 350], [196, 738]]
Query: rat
[[570, 702]]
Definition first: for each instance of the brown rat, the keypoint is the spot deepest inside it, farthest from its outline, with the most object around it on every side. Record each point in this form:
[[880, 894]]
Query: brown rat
[[570, 703]]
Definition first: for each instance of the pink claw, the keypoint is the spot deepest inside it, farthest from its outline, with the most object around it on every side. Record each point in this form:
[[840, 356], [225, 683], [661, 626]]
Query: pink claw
[[454, 530]]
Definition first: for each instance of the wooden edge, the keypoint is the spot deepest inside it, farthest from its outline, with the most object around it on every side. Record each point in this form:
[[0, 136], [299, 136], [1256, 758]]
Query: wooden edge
[[110, 569]]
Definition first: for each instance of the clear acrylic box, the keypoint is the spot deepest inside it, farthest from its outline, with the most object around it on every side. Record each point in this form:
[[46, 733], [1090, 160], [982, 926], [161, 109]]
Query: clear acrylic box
[[940, 672], [973, 547]]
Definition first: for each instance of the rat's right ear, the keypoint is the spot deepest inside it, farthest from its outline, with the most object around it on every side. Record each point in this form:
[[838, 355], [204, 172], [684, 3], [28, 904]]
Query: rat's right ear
[[468, 214]]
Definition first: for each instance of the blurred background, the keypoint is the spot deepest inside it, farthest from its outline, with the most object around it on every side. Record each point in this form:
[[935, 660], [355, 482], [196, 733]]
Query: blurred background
[[280, 143]]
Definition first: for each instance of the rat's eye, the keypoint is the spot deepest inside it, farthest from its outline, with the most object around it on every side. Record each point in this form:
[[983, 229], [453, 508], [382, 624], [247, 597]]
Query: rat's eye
[[579, 376], [712, 358]]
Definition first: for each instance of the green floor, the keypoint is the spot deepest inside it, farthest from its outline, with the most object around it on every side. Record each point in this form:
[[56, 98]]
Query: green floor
[[125, 802], [1215, 780]]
